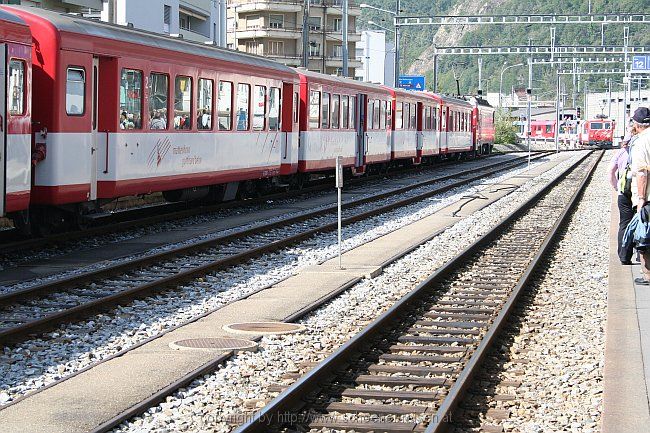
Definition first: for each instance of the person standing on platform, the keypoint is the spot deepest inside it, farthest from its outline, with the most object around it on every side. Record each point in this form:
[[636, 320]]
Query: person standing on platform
[[618, 168], [640, 170]]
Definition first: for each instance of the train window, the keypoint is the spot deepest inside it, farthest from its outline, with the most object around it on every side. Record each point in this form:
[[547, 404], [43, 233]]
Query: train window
[[204, 104], [434, 119], [296, 107], [345, 111], [414, 114], [314, 110], [16, 96], [274, 109], [259, 108], [183, 103], [131, 99], [549, 129], [382, 114], [158, 96], [336, 111], [243, 106], [376, 113], [369, 115], [596, 125], [75, 92], [325, 111], [608, 125], [225, 105], [427, 118], [399, 116], [353, 112]]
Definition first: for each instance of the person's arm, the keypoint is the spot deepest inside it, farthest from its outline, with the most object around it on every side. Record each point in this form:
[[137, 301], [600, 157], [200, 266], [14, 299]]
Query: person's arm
[[613, 167], [642, 183]]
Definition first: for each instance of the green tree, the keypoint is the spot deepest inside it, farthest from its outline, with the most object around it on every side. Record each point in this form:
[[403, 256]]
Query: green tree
[[506, 132]]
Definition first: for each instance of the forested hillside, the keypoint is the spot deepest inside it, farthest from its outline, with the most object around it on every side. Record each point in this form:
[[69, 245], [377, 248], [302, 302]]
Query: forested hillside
[[417, 41]]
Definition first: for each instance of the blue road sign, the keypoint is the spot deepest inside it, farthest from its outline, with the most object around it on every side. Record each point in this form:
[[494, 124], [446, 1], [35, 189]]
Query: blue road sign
[[641, 64], [412, 82]]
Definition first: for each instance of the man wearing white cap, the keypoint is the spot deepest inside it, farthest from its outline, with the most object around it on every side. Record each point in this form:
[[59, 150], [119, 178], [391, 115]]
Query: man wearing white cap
[[640, 169]]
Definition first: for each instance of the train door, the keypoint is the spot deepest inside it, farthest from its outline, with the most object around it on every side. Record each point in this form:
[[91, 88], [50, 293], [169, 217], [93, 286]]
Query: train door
[[3, 125], [94, 138], [362, 136], [444, 112]]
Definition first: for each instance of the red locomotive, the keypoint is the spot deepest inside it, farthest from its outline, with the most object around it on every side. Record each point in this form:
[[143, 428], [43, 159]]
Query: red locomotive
[[599, 132], [121, 112]]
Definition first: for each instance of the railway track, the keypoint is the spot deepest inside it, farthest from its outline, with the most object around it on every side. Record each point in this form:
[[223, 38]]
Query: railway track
[[408, 369], [12, 241], [46, 305]]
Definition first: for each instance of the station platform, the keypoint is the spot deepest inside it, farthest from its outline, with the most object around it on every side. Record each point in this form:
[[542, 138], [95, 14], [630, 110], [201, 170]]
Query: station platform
[[626, 402], [96, 396]]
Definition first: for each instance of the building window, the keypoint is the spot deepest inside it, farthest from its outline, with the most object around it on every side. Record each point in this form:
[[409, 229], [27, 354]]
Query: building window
[[225, 106], [167, 18], [204, 104], [337, 51], [184, 21], [274, 109], [16, 95], [183, 103], [131, 99], [243, 98], [75, 94], [314, 110], [314, 49], [338, 25], [259, 108], [276, 21], [253, 22], [252, 47], [276, 48], [158, 96], [314, 23]]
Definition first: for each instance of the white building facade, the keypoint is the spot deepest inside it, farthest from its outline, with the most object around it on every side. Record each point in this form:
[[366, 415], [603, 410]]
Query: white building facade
[[195, 20], [371, 51]]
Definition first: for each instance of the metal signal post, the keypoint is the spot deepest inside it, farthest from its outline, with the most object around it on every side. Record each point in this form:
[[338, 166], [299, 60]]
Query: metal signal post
[[339, 187]]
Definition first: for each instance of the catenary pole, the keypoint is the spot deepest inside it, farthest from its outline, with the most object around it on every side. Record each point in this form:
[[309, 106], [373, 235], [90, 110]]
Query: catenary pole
[[344, 29]]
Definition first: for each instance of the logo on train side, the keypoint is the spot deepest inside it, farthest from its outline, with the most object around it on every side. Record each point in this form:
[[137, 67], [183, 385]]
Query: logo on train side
[[158, 153]]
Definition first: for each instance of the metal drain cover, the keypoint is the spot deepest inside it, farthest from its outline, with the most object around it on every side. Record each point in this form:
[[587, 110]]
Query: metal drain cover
[[224, 344], [264, 328]]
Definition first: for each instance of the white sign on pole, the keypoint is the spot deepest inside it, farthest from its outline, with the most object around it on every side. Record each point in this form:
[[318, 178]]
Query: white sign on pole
[[339, 186]]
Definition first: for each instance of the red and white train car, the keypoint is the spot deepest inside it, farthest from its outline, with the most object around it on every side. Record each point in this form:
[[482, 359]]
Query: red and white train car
[[15, 116], [455, 125], [598, 132], [407, 137], [128, 112], [333, 123], [484, 131]]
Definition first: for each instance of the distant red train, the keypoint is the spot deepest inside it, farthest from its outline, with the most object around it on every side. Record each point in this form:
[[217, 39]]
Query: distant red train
[[121, 112], [599, 132]]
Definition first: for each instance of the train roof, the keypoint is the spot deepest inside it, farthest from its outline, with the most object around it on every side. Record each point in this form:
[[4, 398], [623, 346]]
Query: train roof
[[13, 28], [449, 99], [344, 82], [73, 24], [409, 94]]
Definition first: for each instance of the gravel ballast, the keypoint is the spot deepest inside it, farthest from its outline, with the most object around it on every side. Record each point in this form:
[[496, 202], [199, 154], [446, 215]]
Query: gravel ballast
[[247, 381]]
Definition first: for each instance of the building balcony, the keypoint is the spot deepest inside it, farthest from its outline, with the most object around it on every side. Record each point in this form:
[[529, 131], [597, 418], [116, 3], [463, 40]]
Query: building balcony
[[337, 62], [335, 7], [266, 32], [336, 35], [266, 5], [287, 59]]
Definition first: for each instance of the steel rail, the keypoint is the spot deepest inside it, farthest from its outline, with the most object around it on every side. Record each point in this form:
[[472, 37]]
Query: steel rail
[[293, 398], [159, 213], [14, 333]]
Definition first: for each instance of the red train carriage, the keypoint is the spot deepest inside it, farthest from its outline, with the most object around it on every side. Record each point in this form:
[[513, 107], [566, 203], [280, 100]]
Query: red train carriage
[[408, 124], [542, 129], [174, 116], [598, 132], [333, 122], [483, 127], [15, 116], [455, 125]]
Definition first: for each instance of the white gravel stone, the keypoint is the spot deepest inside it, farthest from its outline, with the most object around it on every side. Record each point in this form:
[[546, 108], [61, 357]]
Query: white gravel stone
[[216, 398]]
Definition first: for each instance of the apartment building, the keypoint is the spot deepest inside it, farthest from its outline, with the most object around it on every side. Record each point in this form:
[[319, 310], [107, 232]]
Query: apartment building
[[196, 20], [87, 7], [273, 28]]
